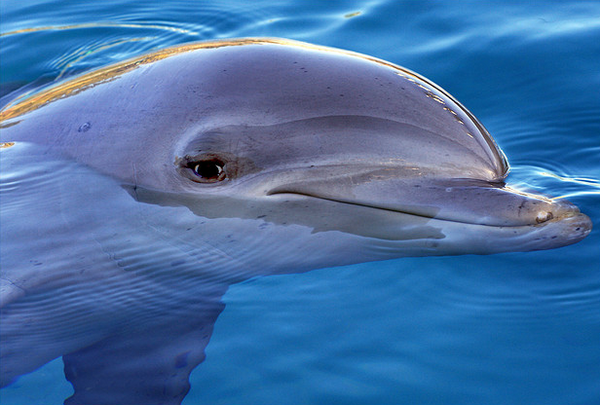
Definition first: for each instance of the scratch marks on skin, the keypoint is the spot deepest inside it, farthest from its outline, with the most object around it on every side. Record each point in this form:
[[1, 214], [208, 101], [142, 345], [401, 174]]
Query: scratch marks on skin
[[429, 93], [135, 180], [9, 292]]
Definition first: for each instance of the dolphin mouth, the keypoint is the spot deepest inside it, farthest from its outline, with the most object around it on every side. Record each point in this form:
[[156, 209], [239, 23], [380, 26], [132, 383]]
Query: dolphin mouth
[[551, 229], [549, 211], [542, 218], [360, 204]]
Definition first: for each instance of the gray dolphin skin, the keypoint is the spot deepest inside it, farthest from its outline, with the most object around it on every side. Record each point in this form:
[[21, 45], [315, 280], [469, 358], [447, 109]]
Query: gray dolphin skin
[[134, 195]]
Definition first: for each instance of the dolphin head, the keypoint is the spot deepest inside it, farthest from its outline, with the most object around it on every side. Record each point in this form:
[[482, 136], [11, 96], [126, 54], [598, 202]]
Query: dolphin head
[[392, 184], [312, 153], [359, 154]]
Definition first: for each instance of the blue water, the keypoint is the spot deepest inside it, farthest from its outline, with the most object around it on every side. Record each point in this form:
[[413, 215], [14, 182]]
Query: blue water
[[517, 328]]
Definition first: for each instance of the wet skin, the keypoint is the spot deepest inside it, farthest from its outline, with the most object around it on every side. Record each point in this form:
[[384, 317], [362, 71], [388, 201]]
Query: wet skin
[[132, 196]]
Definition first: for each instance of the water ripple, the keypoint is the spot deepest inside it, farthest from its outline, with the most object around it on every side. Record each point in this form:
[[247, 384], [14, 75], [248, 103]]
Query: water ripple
[[98, 25], [553, 179]]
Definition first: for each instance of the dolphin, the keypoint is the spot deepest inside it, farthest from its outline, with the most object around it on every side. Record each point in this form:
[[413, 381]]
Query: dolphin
[[132, 196]]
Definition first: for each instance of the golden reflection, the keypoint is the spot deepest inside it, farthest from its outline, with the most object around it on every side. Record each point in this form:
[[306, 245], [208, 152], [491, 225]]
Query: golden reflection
[[81, 55], [85, 52], [436, 98], [93, 78], [109, 73], [529, 195], [5, 145], [98, 25]]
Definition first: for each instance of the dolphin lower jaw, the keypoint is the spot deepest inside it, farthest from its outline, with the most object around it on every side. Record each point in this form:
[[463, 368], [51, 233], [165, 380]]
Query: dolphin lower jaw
[[482, 239], [557, 224]]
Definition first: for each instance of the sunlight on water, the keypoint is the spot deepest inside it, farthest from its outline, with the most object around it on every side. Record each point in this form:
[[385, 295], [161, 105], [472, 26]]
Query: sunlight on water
[[556, 185], [592, 184], [98, 25]]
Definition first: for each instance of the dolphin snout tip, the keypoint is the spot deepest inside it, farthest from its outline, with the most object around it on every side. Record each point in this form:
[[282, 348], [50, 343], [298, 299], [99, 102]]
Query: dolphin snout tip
[[561, 224], [558, 210], [575, 226], [581, 225]]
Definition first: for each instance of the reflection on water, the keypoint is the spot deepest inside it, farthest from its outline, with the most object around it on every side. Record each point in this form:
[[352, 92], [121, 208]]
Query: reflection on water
[[98, 25], [564, 185]]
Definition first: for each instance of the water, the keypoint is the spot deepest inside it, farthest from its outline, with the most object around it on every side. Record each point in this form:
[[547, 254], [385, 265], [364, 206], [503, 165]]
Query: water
[[516, 328]]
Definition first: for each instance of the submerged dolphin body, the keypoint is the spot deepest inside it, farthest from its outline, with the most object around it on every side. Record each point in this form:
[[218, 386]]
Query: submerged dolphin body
[[132, 196]]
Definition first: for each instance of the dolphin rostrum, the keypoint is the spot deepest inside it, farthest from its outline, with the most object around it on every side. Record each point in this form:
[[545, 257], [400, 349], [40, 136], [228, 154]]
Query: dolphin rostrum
[[134, 195]]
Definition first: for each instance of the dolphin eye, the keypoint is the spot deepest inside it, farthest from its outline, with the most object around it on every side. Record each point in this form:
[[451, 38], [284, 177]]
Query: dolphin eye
[[208, 171]]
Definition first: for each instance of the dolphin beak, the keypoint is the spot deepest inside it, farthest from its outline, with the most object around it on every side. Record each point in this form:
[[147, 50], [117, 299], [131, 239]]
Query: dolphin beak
[[460, 201], [465, 200]]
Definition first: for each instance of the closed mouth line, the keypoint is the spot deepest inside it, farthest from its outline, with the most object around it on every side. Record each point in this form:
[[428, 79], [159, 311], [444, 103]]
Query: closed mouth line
[[285, 192]]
